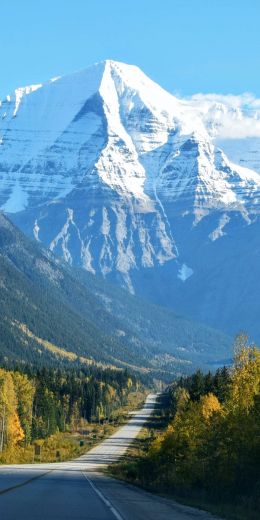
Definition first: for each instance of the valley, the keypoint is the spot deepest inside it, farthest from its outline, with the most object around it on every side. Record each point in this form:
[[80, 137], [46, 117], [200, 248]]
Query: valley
[[57, 315]]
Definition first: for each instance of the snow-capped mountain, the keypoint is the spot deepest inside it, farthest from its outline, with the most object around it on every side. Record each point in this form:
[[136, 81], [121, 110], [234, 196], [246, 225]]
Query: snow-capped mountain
[[115, 174]]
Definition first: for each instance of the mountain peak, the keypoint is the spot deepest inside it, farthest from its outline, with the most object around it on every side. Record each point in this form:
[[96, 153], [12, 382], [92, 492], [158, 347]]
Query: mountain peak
[[132, 123]]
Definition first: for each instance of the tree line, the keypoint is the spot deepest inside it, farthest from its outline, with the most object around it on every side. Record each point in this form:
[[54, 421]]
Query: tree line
[[34, 404]]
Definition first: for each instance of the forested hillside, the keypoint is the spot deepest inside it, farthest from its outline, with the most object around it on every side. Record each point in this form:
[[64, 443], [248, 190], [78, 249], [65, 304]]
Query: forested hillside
[[53, 314]]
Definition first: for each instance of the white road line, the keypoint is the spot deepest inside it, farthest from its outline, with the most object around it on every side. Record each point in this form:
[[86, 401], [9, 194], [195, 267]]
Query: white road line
[[104, 499]]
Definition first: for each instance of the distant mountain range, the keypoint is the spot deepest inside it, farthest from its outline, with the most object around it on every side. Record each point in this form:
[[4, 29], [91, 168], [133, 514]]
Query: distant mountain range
[[54, 314], [117, 176]]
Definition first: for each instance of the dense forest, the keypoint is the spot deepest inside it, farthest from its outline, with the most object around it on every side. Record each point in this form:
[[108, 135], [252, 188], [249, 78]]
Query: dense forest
[[209, 454], [35, 404]]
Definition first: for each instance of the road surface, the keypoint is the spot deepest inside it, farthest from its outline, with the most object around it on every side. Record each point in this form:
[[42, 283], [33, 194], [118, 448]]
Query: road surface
[[77, 490]]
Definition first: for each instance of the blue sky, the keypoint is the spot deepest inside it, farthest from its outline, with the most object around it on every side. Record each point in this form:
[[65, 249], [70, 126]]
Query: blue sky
[[187, 46]]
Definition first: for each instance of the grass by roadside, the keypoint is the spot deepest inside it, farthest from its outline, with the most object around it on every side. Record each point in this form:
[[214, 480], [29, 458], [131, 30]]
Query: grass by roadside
[[59, 447], [63, 446], [228, 511]]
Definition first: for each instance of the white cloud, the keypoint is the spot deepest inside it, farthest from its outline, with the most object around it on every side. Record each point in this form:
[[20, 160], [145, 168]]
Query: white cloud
[[228, 116]]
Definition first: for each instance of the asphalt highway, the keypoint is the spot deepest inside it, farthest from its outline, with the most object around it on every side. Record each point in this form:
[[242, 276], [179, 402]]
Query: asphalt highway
[[78, 490]]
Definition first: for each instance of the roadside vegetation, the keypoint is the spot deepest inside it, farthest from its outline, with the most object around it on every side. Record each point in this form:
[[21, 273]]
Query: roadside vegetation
[[57, 414], [209, 453]]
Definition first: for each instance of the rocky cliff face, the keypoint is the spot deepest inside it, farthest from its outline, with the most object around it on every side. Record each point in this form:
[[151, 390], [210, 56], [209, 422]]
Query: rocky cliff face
[[116, 175]]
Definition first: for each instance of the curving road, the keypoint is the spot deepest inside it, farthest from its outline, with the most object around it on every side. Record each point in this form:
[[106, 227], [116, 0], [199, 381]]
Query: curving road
[[77, 490]]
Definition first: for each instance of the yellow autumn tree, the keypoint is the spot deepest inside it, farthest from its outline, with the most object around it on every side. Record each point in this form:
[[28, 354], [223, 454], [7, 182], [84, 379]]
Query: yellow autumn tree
[[15, 431], [209, 405], [11, 431], [25, 390], [245, 376]]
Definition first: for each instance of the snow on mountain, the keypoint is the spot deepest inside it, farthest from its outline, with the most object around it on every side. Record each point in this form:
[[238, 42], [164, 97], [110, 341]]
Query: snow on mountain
[[117, 175]]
